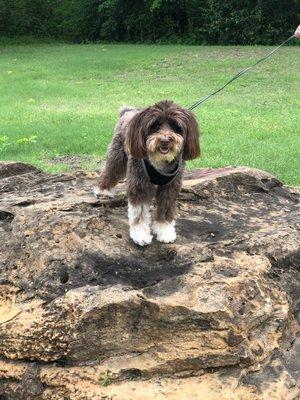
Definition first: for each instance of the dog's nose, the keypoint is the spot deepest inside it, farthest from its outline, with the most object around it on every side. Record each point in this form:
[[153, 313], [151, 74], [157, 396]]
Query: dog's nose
[[164, 141]]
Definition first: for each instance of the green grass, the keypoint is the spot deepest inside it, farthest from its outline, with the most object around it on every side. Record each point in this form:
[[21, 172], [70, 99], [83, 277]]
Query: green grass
[[66, 99]]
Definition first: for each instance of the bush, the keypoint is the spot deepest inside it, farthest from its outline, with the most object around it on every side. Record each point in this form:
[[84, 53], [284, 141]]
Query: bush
[[182, 21]]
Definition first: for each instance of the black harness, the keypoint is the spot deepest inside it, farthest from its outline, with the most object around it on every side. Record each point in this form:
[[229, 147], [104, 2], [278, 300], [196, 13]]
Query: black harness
[[156, 177]]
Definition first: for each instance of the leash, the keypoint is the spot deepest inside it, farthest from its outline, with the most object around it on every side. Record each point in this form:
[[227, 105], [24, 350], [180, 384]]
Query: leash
[[244, 71]]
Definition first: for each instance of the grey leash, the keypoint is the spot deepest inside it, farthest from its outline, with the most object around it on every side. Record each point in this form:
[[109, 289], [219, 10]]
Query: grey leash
[[239, 74]]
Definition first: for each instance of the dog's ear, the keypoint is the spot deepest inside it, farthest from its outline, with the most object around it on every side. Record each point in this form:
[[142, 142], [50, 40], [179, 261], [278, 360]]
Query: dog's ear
[[192, 146], [135, 141]]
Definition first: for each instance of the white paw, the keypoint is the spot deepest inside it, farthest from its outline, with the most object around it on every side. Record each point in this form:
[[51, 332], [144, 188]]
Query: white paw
[[140, 234], [164, 231], [103, 193]]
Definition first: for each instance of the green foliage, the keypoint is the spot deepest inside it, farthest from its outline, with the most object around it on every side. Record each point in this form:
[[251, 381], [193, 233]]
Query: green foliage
[[105, 380], [181, 21], [23, 140], [5, 142]]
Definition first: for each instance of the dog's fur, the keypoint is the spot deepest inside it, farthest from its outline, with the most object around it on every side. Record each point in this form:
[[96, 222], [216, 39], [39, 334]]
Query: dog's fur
[[164, 134]]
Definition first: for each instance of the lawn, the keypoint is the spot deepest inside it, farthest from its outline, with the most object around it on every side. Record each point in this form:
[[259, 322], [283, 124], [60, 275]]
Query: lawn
[[60, 102]]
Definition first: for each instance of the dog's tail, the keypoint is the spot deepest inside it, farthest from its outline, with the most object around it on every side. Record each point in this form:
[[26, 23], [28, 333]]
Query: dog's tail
[[124, 110]]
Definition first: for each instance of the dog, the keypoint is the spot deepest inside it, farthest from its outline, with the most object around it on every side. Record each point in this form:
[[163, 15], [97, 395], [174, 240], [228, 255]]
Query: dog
[[150, 147]]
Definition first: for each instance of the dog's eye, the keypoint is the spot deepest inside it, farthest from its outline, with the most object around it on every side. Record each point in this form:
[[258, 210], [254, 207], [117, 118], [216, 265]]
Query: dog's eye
[[154, 127], [176, 128]]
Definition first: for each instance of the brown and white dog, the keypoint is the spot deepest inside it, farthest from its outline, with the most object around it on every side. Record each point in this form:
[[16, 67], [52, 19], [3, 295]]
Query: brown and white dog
[[150, 147]]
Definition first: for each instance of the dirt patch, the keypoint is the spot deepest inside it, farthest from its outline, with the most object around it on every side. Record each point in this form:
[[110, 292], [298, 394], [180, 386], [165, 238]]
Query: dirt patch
[[74, 162]]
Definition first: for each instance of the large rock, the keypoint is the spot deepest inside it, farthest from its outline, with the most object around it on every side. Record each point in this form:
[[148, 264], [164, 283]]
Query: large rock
[[86, 314]]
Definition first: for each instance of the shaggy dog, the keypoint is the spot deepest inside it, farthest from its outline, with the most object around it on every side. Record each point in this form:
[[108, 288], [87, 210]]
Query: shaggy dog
[[150, 147]]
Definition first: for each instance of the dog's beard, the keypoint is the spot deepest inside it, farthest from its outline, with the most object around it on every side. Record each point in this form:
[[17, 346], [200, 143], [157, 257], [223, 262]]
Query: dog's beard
[[159, 159]]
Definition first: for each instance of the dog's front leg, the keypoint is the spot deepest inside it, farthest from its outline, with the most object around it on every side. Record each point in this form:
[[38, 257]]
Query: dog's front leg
[[140, 193], [164, 224], [139, 223]]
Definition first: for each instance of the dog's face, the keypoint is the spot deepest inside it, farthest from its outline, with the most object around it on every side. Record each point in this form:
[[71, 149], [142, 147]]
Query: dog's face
[[164, 141], [162, 132]]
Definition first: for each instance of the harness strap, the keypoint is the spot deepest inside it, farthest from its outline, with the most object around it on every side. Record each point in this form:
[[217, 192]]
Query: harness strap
[[156, 177]]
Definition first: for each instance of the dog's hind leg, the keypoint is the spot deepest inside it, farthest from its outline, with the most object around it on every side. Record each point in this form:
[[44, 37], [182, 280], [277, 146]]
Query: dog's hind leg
[[115, 167]]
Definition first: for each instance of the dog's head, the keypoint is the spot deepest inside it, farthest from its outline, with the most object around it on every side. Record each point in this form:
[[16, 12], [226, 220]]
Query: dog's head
[[162, 132]]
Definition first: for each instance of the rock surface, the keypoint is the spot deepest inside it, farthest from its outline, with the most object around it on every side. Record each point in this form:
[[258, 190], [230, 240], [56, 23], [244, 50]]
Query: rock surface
[[86, 314]]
